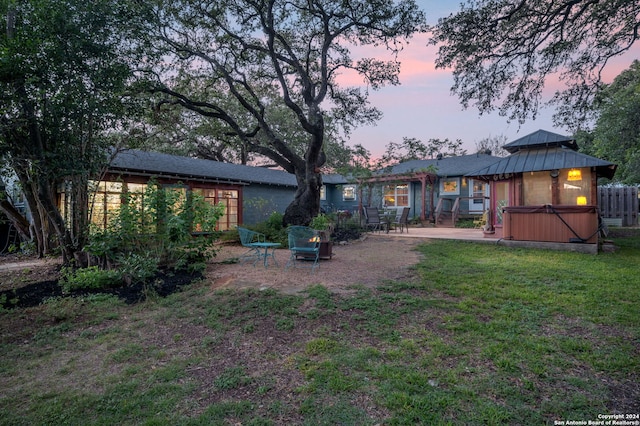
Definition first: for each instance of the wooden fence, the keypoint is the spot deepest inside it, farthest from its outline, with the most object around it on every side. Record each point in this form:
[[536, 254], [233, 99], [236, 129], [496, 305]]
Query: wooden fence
[[619, 206]]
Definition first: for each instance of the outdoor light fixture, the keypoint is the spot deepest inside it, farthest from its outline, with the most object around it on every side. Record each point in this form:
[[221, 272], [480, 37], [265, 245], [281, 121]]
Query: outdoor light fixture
[[581, 200], [575, 174]]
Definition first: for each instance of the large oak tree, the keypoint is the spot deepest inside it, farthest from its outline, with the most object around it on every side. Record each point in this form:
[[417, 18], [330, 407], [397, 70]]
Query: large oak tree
[[502, 52], [269, 62]]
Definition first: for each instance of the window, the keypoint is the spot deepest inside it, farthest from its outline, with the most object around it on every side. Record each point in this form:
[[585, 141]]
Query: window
[[106, 201], [229, 198], [108, 198], [450, 186], [323, 192], [537, 188], [575, 186], [396, 195], [478, 192], [349, 193]]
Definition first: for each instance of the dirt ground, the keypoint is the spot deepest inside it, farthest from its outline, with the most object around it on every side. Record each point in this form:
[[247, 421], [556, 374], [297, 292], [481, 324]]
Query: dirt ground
[[368, 261]]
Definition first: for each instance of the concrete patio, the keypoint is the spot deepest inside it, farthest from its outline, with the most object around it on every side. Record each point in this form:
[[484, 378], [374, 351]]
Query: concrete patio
[[476, 235], [464, 234]]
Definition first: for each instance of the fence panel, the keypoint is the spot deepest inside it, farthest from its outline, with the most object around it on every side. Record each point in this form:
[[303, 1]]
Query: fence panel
[[619, 205]]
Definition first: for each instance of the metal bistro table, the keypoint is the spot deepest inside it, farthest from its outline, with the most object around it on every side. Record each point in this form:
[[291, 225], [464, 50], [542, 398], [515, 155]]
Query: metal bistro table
[[263, 252]]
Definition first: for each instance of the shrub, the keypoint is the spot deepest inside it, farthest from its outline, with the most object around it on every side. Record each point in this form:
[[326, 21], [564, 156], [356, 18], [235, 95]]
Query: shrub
[[136, 268], [154, 229], [91, 278], [272, 229]]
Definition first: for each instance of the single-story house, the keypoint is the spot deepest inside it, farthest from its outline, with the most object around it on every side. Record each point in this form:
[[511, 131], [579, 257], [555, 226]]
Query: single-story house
[[545, 190], [251, 193], [435, 189]]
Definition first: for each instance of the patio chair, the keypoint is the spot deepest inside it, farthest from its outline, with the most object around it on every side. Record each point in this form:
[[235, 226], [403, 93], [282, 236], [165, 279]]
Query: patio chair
[[402, 220], [248, 239], [372, 216], [304, 245]]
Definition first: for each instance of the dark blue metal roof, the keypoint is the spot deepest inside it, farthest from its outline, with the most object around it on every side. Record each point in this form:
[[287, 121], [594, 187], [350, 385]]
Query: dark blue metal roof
[[155, 163], [446, 166], [539, 139], [542, 159]]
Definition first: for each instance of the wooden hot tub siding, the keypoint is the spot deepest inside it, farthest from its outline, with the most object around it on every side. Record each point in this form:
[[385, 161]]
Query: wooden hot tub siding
[[541, 223]]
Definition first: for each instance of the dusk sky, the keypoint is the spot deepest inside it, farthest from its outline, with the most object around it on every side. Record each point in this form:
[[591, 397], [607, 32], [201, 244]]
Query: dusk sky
[[422, 106]]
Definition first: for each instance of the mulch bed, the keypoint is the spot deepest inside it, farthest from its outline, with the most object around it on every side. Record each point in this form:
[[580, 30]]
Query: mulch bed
[[163, 284]]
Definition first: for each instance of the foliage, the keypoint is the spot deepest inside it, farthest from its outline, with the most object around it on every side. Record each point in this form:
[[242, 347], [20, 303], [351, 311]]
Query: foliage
[[272, 229], [271, 71], [154, 228], [65, 86], [91, 278], [615, 136], [320, 222], [505, 51], [415, 149], [494, 145]]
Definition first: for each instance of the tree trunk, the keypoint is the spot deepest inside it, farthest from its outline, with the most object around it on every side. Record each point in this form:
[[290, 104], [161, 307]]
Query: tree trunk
[[306, 202]]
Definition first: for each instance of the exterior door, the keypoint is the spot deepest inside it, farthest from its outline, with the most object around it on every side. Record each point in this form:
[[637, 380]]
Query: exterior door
[[500, 200], [478, 204]]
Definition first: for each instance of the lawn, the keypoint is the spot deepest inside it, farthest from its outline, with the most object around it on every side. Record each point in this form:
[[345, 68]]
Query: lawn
[[481, 334]]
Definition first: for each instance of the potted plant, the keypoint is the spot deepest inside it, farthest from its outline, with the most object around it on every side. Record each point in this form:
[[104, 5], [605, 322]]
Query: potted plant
[[324, 226]]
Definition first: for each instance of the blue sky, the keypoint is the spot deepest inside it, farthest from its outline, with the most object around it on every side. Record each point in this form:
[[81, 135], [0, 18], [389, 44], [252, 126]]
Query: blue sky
[[423, 108]]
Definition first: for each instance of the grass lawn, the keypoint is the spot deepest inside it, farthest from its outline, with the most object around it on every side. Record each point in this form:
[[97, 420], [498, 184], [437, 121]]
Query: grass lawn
[[481, 334]]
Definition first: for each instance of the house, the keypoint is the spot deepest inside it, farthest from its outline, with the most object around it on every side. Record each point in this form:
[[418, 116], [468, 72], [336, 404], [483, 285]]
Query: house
[[249, 194], [545, 191], [435, 189]]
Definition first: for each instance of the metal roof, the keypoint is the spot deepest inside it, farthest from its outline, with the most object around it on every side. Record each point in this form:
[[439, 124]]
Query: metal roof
[[446, 166], [155, 163], [539, 139], [552, 158]]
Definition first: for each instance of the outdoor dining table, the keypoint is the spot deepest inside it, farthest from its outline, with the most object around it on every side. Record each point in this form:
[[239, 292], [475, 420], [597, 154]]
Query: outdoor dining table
[[387, 218]]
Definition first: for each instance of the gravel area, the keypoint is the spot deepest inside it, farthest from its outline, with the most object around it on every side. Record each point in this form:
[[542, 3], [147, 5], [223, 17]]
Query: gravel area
[[369, 262]]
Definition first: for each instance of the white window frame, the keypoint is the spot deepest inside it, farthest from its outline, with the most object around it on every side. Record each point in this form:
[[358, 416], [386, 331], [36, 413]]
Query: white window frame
[[455, 180], [349, 188]]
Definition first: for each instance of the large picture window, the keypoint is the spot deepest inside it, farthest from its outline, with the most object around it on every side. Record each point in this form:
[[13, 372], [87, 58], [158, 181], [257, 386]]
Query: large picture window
[[108, 198], [396, 195], [229, 198]]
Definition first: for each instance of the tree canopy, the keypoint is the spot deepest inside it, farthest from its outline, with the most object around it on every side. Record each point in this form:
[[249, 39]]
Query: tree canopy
[[615, 135], [503, 52], [64, 79], [271, 64]]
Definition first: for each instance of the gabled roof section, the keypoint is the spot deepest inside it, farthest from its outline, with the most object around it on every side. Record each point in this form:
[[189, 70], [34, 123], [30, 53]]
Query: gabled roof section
[[334, 179], [541, 139], [158, 164], [543, 159], [444, 167]]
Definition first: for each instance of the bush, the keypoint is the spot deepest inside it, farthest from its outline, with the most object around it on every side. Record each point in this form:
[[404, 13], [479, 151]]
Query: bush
[[91, 278], [136, 268], [272, 229], [154, 229]]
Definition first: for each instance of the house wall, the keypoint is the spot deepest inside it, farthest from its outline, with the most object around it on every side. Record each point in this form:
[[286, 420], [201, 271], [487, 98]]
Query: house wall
[[259, 201]]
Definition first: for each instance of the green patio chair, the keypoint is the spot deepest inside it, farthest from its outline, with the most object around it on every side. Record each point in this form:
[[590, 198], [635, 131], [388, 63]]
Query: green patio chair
[[304, 245], [248, 239]]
